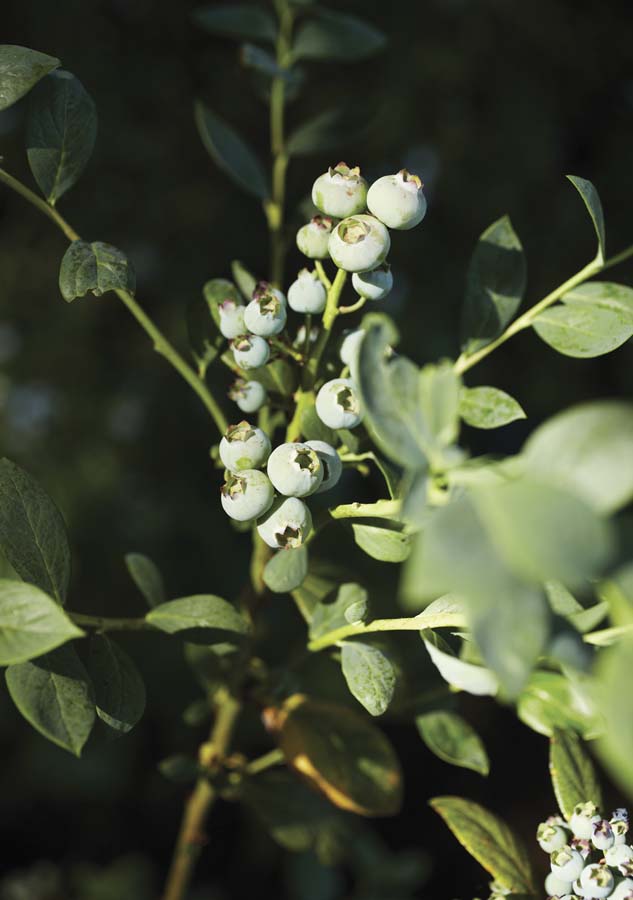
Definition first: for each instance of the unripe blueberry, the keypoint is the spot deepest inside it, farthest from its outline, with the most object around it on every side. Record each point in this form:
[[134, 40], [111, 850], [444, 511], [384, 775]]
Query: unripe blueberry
[[264, 289], [602, 835], [597, 881], [295, 470], [250, 351], [313, 238], [359, 244], [266, 315], [287, 525], [247, 495], [338, 404], [582, 818], [244, 446], [566, 864], [249, 395], [330, 462], [375, 284], [570, 897], [551, 837], [231, 318], [619, 856], [582, 846], [350, 348], [620, 825], [397, 200], [556, 887], [307, 294], [623, 890], [340, 192]]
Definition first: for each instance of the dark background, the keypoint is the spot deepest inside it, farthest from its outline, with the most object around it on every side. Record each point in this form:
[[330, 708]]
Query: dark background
[[492, 103]]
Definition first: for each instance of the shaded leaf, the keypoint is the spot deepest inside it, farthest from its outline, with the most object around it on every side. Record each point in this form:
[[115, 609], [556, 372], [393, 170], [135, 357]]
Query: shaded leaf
[[369, 674], [439, 405], [243, 279], [384, 544], [451, 738], [319, 134], [216, 618], [573, 775], [95, 268], [146, 576], [20, 70], [286, 570], [31, 623], [118, 686], [179, 768], [552, 701], [460, 674], [594, 207], [488, 407], [330, 612], [231, 153], [236, 20], [339, 36]]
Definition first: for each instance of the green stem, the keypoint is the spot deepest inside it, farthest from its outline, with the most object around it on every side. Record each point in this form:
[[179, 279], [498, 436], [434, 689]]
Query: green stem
[[107, 623], [161, 344], [440, 620], [325, 281], [354, 307], [276, 207], [273, 758], [329, 317], [286, 349], [381, 509]]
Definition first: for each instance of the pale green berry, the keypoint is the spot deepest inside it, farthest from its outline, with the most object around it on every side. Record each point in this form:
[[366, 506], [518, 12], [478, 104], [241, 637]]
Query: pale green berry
[[359, 243], [566, 864], [313, 238], [597, 881], [247, 495], [295, 470], [266, 315], [338, 404], [231, 318], [618, 856], [620, 825], [582, 818], [602, 835], [249, 395], [373, 285], [623, 890], [331, 463], [350, 347], [397, 200], [340, 192], [244, 446], [556, 887], [287, 524], [307, 294], [250, 351], [551, 837], [265, 290]]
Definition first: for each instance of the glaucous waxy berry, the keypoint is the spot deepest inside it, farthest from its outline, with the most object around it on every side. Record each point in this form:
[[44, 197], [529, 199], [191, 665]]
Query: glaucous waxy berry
[[264, 289], [250, 351], [340, 192], [375, 284], [359, 243], [555, 887], [313, 238], [566, 864], [620, 856], [620, 825], [582, 846], [244, 446], [551, 837], [582, 819], [287, 524], [331, 463], [307, 294], [231, 318], [602, 835], [338, 404], [597, 881], [623, 890], [265, 315], [295, 470], [350, 347], [247, 495], [397, 200], [249, 395]]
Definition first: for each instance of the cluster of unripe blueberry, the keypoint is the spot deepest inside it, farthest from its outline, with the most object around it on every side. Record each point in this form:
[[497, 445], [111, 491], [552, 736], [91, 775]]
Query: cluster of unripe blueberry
[[357, 242]]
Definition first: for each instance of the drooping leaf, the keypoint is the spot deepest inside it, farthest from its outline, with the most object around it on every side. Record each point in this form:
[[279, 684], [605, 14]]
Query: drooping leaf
[[118, 686], [245, 281], [616, 744], [342, 754], [213, 618], [384, 544], [552, 701], [335, 35], [573, 774], [286, 570], [583, 329], [330, 610], [95, 268], [495, 285], [594, 207], [370, 675], [457, 672], [55, 695], [265, 63], [488, 407], [236, 20], [31, 623], [452, 739], [230, 153], [146, 576], [587, 449], [20, 70], [490, 841], [60, 134], [32, 532]]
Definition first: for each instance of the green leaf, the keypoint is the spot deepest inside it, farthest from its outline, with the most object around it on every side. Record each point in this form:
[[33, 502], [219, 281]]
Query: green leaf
[[616, 746], [594, 207], [583, 329], [118, 686], [552, 701], [179, 768], [20, 70], [237, 20], [95, 267], [384, 544], [262, 61], [334, 35], [32, 532], [217, 619], [318, 134], [439, 404], [452, 739], [573, 775], [495, 285], [31, 623], [286, 570], [328, 616], [60, 134], [369, 674], [243, 279], [466, 676], [589, 450], [313, 429], [230, 153], [490, 841], [203, 320], [55, 695], [146, 576], [488, 407]]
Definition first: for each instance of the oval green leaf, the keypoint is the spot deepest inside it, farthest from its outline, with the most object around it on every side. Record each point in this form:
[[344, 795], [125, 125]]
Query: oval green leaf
[[384, 544], [146, 576], [582, 330], [94, 268], [460, 674], [231, 153], [370, 676], [236, 20], [118, 686], [212, 618], [551, 701], [286, 570], [451, 738], [31, 623], [573, 774], [591, 200], [339, 36], [20, 70], [488, 407]]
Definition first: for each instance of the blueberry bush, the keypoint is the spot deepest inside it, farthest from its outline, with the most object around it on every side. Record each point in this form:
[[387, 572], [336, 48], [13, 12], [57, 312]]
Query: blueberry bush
[[510, 585]]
